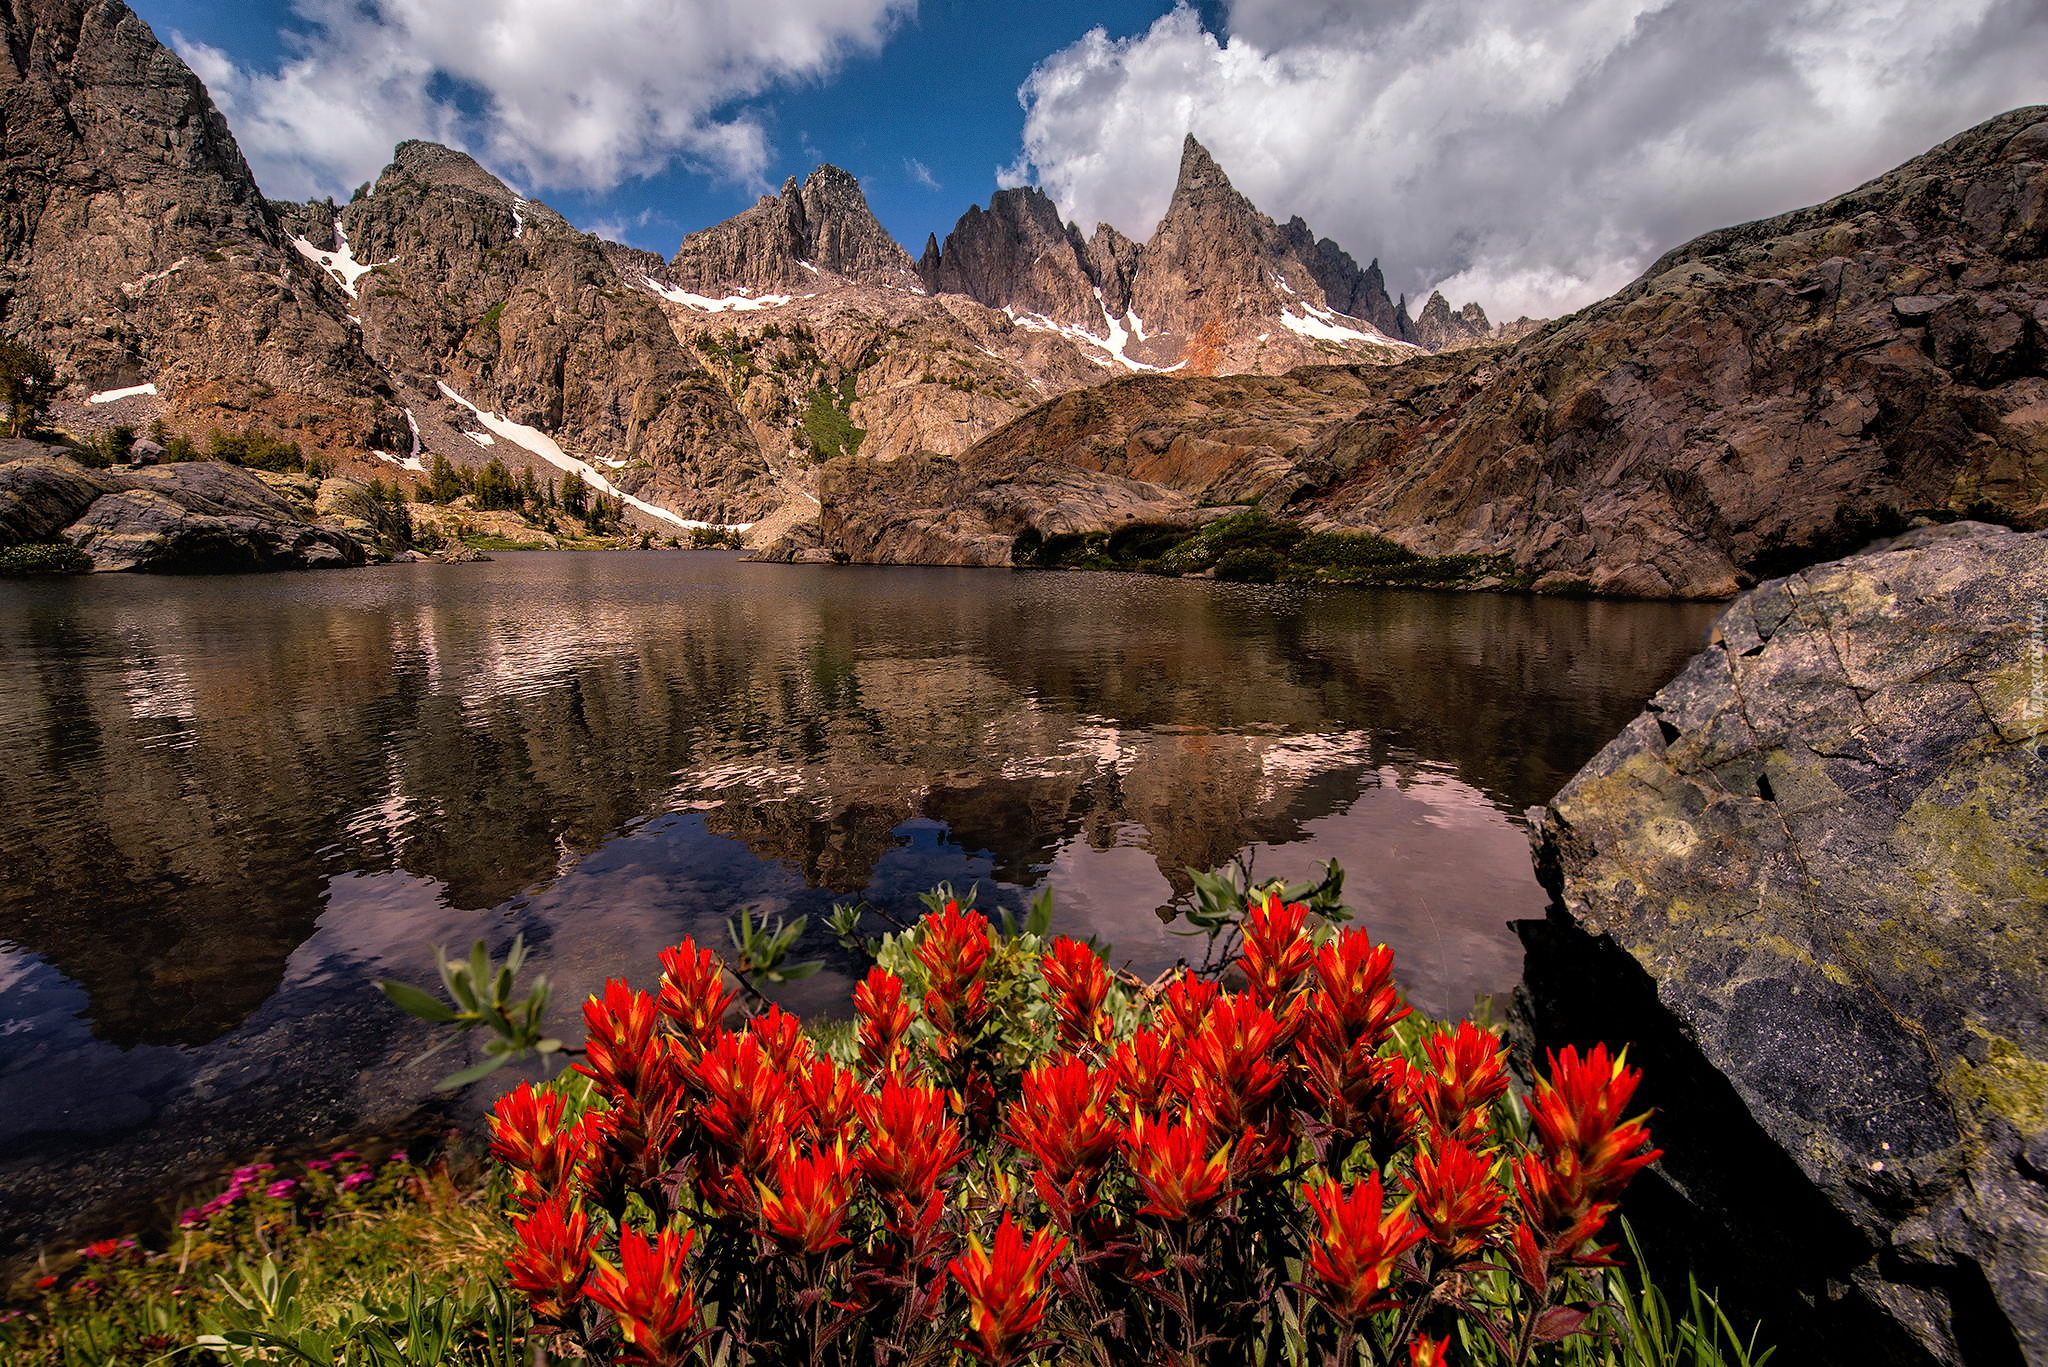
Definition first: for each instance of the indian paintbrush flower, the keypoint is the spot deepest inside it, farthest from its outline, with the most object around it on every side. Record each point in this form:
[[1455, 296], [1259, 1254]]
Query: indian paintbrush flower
[[883, 1020], [1078, 985], [1179, 1165], [1277, 951], [807, 1203], [1457, 1198], [528, 1137], [553, 1257], [649, 1293], [693, 992], [1355, 1259], [1006, 1290], [1465, 1076]]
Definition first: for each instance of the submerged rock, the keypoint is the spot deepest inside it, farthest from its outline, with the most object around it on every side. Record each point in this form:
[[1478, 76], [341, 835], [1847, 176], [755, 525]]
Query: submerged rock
[[1809, 886], [198, 517]]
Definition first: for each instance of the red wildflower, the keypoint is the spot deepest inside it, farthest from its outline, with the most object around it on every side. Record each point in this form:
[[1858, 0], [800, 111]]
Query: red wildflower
[[1231, 1074], [1456, 1197], [884, 1020], [649, 1294], [1185, 1005], [693, 992], [553, 1257], [830, 1095], [1064, 1122], [1424, 1352], [1079, 986], [808, 1202], [1464, 1078], [1179, 1168], [912, 1142], [954, 948], [1005, 1289], [1355, 1000], [1357, 1252], [748, 1105], [1277, 951], [527, 1136], [1589, 1150], [1147, 1067], [619, 1047], [603, 1158], [782, 1038]]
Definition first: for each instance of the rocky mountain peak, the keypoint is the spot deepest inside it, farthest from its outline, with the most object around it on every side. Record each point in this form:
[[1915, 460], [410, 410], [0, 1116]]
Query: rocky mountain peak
[[784, 241], [1438, 326], [429, 164], [1017, 254]]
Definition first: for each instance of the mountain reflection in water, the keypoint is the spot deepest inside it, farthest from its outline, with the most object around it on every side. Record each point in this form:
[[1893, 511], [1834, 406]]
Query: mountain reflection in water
[[230, 804]]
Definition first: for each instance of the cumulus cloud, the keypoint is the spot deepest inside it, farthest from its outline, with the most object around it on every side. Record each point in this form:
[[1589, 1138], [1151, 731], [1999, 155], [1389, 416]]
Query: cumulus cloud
[[1531, 154], [559, 92]]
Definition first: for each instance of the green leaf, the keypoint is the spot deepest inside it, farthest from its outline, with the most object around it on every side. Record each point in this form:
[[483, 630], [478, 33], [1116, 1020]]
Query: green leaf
[[789, 973], [414, 1002], [491, 1064]]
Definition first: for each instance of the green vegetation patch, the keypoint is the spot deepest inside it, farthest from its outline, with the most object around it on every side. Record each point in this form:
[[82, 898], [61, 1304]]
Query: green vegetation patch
[[828, 422], [45, 557], [1253, 547]]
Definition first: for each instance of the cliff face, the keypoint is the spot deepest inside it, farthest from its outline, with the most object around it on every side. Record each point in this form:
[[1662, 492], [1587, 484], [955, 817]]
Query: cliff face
[[137, 248], [499, 298], [1763, 397]]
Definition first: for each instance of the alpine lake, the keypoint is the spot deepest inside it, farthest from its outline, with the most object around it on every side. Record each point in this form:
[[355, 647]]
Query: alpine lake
[[231, 804]]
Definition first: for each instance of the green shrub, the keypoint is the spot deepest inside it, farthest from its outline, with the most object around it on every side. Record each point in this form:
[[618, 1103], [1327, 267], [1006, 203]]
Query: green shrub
[[256, 449], [1249, 565], [44, 557]]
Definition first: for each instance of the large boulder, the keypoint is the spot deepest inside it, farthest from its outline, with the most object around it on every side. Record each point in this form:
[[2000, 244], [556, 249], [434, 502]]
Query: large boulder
[[198, 517], [1809, 885]]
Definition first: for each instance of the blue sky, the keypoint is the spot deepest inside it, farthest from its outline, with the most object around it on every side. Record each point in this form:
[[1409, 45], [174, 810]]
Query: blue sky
[[940, 95], [1530, 155]]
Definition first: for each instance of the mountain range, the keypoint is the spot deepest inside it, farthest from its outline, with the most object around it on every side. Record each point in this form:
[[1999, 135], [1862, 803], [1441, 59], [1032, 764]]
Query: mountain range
[[439, 312], [1759, 396]]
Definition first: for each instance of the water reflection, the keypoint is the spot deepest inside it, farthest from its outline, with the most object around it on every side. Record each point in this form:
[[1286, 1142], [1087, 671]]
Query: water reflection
[[230, 803]]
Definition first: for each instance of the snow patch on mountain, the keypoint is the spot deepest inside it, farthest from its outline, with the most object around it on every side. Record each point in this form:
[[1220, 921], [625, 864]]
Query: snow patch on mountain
[[340, 263], [541, 444], [732, 303]]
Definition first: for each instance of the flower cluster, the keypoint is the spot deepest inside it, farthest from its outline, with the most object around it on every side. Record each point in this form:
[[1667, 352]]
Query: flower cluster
[[257, 1189], [1133, 1193]]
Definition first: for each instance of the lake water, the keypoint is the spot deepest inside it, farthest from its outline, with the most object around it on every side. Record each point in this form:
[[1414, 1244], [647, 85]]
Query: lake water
[[229, 805]]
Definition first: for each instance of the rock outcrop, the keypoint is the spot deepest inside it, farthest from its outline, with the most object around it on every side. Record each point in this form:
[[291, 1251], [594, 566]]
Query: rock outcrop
[[1806, 887], [192, 518], [1764, 397]]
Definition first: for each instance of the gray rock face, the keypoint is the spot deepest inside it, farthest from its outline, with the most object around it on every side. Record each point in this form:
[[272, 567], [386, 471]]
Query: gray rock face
[[1809, 887], [503, 300], [188, 518]]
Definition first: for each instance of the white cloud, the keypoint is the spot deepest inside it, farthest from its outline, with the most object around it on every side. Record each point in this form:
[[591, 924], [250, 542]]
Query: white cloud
[[921, 173], [1532, 154], [558, 92]]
